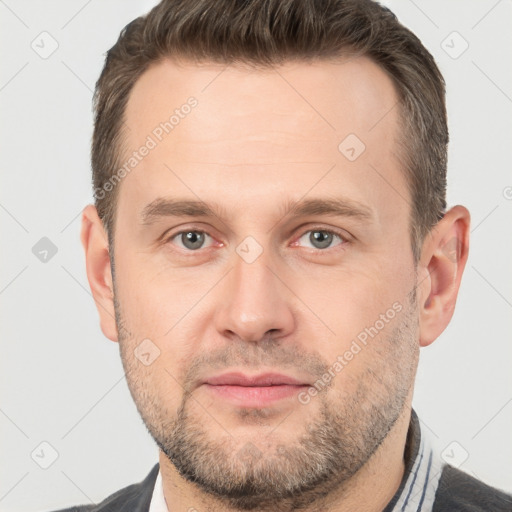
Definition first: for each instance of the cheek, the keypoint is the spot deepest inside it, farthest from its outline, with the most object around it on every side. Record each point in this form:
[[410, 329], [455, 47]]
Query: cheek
[[160, 310], [362, 308], [379, 362], [348, 301], [154, 364], [153, 299], [153, 388]]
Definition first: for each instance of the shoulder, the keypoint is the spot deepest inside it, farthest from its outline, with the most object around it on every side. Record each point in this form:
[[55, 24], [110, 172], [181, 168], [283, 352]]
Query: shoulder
[[460, 492], [134, 497]]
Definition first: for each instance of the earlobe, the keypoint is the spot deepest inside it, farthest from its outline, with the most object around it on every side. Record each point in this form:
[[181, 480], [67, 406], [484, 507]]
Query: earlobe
[[99, 274], [442, 263]]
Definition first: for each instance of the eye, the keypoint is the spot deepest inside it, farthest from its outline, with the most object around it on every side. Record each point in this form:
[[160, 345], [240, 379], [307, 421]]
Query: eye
[[191, 240], [321, 239]]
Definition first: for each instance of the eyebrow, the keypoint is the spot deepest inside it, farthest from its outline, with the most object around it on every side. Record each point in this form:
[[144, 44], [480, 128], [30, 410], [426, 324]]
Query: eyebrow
[[339, 207], [176, 207]]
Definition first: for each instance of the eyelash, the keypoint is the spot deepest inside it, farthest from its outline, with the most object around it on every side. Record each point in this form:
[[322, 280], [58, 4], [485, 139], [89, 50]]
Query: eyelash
[[342, 236]]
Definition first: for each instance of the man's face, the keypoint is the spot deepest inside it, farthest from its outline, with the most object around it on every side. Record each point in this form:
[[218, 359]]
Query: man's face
[[255, 290]]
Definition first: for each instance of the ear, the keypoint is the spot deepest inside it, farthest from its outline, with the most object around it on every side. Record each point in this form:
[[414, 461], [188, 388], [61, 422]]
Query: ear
[[442, 262], [99, 274]]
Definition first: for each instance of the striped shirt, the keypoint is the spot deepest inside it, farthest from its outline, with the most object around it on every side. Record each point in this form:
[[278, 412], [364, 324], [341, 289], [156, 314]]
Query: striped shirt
[[423, 469]]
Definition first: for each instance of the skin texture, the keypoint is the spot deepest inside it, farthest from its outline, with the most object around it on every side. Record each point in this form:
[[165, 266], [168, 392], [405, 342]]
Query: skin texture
[[257, 142]]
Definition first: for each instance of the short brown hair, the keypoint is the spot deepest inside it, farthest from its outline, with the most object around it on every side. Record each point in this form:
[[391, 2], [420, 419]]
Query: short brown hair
[[267, 33]]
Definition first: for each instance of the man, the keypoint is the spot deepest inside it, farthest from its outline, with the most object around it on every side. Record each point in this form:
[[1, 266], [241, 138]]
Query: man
[[270, 247]]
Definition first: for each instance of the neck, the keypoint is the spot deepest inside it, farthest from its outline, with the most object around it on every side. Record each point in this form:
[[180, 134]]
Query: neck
[[369, 490]]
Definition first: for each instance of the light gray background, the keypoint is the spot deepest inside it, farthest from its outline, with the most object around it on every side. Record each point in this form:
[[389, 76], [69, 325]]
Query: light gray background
[[62, 382]]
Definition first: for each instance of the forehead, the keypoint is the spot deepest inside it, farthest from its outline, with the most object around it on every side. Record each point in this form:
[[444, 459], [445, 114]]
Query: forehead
[[252, 132], [333, 97]]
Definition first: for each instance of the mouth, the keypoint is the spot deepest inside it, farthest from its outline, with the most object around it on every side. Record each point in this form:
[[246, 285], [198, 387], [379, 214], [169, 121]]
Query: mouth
[[253, 391]]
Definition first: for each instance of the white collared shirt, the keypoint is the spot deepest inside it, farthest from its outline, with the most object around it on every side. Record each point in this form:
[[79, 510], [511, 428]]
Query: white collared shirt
[[158, 503]]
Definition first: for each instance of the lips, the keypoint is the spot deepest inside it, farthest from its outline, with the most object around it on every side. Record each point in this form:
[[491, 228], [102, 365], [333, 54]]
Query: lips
[[257, 391], [240, 379]]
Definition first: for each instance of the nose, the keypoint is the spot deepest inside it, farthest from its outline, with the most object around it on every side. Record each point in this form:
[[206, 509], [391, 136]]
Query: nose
[[255, 303]]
